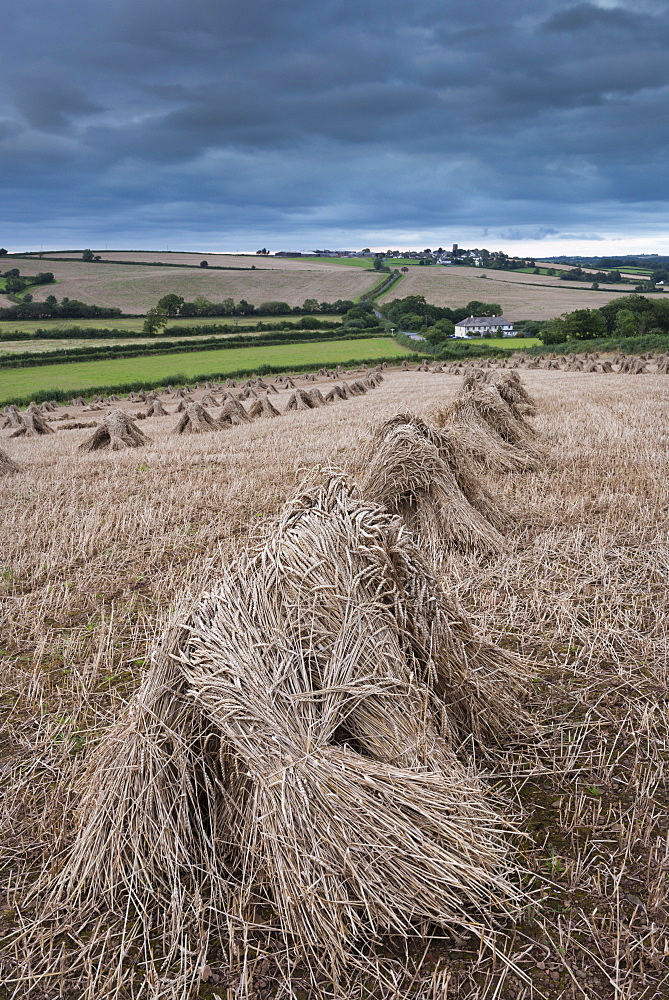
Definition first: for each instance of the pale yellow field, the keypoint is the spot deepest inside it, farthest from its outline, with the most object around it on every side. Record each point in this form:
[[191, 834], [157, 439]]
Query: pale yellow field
[[99, 549], [136, 289], [522, 296], [214, 259]]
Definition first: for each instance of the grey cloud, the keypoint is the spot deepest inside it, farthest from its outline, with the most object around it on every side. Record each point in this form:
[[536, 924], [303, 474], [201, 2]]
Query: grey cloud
[[528, 120]]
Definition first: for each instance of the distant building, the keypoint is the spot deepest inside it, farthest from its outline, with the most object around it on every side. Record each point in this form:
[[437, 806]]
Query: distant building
[[481, 326], [288, 253]]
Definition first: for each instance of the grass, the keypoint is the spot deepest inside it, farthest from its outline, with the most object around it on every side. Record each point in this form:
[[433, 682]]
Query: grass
[[8, 326], [98, 550], [508, 343], [78, 375]]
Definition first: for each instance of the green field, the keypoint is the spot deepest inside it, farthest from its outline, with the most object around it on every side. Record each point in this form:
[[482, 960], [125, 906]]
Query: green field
[[508, 343], [13, 326], [368, 262], [81, 375]]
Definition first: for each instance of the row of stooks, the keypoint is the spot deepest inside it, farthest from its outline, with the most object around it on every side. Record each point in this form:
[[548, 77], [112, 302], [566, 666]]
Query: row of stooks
[[632, 364], [298, 771], [119, 430]]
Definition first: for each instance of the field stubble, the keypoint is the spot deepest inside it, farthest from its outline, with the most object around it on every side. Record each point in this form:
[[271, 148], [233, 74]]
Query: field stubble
[[134, 289], [100, 549], [521, 296]]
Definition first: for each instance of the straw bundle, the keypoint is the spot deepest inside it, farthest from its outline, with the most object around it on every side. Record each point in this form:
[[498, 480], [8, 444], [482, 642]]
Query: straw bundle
[[156, 409], [299, 400], [248, 393], [406, 474], [357, 388], [510, 387], [116, 432], [457, 448], [263, 407], [32, 424], [316, 397], [195, 420], [232, 413], [7, 464], [497, 438], [290, 744], [11, 417], [335, 393]]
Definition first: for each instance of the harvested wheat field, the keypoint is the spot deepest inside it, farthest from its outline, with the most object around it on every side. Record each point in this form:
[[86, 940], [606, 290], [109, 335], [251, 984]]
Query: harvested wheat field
[[521, 296], [135, 289], [333, 705], [242, 260]]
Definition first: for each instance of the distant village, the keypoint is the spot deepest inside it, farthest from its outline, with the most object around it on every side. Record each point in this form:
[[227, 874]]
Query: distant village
[[456, 255]]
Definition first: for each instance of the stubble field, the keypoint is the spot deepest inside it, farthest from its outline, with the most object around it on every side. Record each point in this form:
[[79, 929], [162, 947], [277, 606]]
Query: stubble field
[[134, 289], [521, 296], [99, 550]]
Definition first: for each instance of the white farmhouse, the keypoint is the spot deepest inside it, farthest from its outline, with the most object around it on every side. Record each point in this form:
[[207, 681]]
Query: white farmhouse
[[481, 326]]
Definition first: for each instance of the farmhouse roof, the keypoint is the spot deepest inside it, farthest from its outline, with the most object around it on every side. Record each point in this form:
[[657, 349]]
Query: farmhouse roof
[[484, 321]]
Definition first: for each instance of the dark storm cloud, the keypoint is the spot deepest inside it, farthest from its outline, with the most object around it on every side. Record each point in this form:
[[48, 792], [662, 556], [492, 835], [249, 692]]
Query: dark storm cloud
[[294, 119]]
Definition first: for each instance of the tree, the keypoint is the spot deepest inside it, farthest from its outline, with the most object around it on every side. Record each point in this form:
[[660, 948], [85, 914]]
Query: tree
[[405, 270], [475, 308], [204, 263], [88, 255], [15, 285], [310, 305], [441, 331], [201, 305], [2, 251], [171, 303], [378, 263], [43, 278], [583, 324], [627, 324], [155, 321]]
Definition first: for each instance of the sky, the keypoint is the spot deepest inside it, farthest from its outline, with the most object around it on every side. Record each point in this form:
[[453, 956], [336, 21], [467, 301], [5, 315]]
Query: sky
[[536, 128]]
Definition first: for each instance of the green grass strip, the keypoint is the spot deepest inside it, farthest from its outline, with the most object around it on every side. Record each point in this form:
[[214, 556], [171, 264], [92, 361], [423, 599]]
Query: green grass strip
[[82, 377]]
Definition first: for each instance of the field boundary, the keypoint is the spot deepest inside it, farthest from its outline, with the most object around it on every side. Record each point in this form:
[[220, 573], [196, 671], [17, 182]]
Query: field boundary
[[109, 352], [61, 395]]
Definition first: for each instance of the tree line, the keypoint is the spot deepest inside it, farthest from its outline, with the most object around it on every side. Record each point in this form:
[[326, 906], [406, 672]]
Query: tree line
[[629, 316], [170, 306]]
